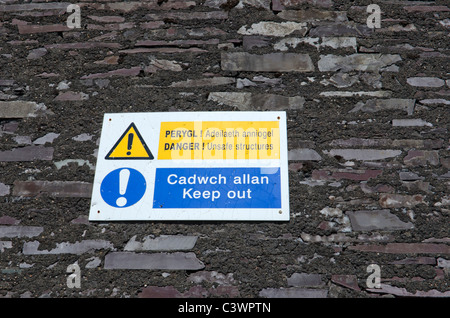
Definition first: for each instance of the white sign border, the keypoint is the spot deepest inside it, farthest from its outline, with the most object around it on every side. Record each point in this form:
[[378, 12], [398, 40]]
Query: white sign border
[[114, 124]]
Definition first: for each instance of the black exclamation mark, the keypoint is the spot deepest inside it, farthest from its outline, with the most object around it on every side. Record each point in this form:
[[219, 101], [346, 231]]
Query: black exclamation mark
[[130, 142]]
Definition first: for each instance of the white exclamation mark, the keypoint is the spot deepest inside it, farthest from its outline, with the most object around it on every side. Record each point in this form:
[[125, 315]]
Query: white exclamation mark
[[124, 176]]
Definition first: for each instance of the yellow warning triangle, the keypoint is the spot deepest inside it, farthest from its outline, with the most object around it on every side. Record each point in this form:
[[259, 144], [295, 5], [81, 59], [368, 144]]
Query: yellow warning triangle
[[130, 146]]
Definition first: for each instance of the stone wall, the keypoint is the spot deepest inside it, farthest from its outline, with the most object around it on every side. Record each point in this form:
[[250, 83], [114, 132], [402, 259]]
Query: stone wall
[[368, 120]]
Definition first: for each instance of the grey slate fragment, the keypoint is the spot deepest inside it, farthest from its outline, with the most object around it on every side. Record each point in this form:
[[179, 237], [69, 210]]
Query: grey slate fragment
[[272, 62], [356, 62], [29, 153], [368, 220], [305, 280], [77, 189], [249, 101], [304, 154], [374, 105], [20, 231], [162, 243], [20, 109], [293, 292], [31, 248], [168, 261]]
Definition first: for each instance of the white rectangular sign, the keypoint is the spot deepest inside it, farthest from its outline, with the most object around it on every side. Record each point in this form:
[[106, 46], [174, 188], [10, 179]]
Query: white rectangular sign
[[192, 166]]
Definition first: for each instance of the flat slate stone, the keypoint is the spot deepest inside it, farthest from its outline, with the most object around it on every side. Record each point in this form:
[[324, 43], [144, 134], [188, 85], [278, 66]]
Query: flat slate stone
[[293, 292], [356, 62], [64, 189], [20, 231], [20, 109], [31, 248], [365, 154], [168, 261], [304, 154], [375, 105], [162, 243], [249, 101], [30, 153], [272, 62], [369, 220]]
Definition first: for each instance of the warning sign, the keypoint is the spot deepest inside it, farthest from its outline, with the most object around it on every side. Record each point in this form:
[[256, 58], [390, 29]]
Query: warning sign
[[130, 146], [193, 166]]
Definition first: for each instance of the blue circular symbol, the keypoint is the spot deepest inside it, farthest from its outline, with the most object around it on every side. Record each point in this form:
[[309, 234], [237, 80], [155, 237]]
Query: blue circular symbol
[[123, 187]]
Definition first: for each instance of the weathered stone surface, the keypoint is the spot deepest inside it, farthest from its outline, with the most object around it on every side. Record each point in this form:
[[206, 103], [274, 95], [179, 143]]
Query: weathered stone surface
[[305, 280], [358, 94], [304, 154], [274, 29], [375, 105], [417, 8], [212, 81], [409, 176], [240, 4], [345, 174], [29, 153], [364, 154], [83, 45], [421, 158], [163, 50], [251, 41], [404, 248], [53, 188], [249, 101], [168, 261], [293, 292], [410, 123], [165, 56], [403, 292], [4, 189], [4, 245], [356, 62], [324, 42], [151, 43], [312, 15], [400, 200], [160, 292], [433, 101], [48, 138], [133, 71], [272, 62], [29, 29], [298, 3], [21, 109], [161, 243], [425, 81], [36, 53], [20, 231], [31, 248], [216, 15], [70, 96], [130, 6], [340, 29], [212, 277], [33, 6], [349, 281], [368, 220], [379, 188]]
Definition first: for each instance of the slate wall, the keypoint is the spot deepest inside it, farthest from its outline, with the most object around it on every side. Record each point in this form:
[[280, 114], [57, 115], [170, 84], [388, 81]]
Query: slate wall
[[368, 120]]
